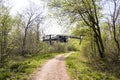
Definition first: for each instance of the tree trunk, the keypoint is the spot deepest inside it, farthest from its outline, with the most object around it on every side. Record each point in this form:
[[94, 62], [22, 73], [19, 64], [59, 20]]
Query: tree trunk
[[38, 33], [99, 42], [115, 39], [24, 42]]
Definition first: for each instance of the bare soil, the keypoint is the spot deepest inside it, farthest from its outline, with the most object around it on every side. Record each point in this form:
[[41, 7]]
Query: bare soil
[[54, 69]]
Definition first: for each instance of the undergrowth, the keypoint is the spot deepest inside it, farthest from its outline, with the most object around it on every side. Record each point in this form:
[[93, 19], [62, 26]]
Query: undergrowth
[[20, 68], [79, 68]]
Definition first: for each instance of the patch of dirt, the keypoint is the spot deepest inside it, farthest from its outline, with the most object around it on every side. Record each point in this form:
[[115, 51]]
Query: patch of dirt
[[54, 69]]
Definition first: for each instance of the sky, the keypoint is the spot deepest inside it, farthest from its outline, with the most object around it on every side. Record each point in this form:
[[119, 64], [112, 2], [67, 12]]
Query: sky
[[51, 24]]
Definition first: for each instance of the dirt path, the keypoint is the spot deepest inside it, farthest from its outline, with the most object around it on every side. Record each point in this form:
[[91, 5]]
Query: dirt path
[[54, 69]]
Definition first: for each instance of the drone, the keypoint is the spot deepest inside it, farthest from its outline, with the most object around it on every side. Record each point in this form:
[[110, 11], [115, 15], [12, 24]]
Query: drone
[[60, 38]]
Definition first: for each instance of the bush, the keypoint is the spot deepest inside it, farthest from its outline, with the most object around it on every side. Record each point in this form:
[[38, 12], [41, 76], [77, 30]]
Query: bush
[[71, 48], [60, 47], [56, 47], [80, 69], [15, 67], [4, 74]]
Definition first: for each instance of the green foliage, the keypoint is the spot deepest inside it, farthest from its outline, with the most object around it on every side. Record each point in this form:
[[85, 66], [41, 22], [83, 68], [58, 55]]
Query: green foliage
[[60, 47], [79, 68], [73, 45], [4, 73], [6, 22], [71, 48], [21, 68]]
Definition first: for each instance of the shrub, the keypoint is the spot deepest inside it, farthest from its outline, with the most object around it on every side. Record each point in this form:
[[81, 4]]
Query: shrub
[[71, 48], [60, 47], [4, 74]]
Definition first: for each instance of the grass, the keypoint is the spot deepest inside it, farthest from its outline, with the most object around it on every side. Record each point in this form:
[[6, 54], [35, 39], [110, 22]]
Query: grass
[[80, 69], [20, 68]]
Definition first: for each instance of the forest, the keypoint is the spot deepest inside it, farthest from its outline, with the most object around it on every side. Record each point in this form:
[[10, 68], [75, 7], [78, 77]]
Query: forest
[[22, 49]]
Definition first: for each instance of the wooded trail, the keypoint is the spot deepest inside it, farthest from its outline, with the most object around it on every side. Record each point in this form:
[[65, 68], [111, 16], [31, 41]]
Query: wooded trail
[[54, 69]]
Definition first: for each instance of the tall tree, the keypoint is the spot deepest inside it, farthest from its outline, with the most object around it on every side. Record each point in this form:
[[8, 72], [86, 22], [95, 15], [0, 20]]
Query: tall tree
[[29, 16], [115, 15], [88, 11], [6, 23]]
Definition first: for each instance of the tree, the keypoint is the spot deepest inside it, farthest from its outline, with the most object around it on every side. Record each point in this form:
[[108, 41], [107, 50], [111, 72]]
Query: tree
[[39, 29], [29, 17], [88, 11], [114, 16], [6, 23]]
